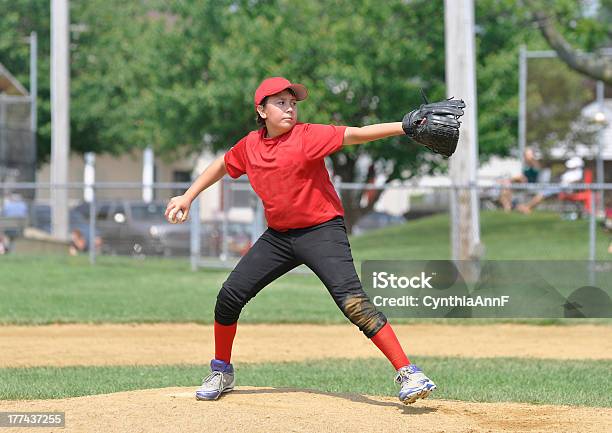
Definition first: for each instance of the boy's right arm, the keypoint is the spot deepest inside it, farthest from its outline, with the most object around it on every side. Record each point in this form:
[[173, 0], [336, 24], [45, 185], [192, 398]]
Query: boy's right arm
[[215, 171]]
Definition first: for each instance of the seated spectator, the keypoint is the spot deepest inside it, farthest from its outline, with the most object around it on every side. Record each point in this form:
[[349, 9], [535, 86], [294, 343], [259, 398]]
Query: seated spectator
[[78, 242], [530, 174], [4, 244], [573, 174], [608, 226]]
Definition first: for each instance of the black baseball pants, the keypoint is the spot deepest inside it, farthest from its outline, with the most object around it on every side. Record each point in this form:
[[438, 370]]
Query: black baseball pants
[[325, 249]]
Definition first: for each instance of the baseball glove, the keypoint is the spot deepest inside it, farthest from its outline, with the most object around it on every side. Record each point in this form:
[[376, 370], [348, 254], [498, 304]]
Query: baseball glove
[[435, 125]]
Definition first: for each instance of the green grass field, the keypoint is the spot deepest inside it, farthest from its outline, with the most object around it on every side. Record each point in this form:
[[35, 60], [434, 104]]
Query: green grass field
[[52, 289], [485, 380], [541, 235]]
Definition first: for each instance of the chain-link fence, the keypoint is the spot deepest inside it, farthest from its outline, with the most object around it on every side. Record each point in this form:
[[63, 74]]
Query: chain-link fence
[[222, 227], [17, 142], [117, 222]]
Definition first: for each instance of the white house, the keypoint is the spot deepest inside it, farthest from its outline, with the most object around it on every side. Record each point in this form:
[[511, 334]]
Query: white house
[[592, 111]]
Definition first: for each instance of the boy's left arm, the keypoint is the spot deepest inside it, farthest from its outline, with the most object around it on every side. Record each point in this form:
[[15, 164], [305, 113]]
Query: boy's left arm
[[365, 134]]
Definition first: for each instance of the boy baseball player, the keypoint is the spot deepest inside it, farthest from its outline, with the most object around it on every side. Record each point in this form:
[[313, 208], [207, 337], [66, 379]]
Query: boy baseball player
[[284, 161]]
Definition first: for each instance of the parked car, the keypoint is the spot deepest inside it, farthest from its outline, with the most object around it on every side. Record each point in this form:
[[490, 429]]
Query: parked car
[[139, 228], [13, 218], [376, 220]]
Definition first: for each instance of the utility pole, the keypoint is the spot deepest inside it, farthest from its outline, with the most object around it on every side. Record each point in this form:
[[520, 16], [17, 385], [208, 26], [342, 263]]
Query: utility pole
[[33, 83], [60, 117], [601, 209], [148, 174], [522, 126], [461, 83]]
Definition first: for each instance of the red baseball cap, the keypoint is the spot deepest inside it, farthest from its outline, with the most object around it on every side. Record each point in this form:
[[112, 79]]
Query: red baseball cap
[[274, 85]]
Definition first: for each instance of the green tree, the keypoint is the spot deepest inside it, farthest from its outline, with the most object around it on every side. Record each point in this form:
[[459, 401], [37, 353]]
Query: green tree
[[180, 75], [126, 63], [363, 62], [589, 29], [556, 96], [140, 73], [18, 19]]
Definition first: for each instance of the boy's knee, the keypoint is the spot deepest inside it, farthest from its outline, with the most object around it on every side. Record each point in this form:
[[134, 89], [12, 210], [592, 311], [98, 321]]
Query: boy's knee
[[360, 311], [228, 306]]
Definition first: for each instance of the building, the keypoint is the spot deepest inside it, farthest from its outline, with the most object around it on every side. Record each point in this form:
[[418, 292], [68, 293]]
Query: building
[[132, 168]]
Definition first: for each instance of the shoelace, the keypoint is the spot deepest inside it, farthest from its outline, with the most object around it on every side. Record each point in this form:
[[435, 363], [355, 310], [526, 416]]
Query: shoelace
[[211, 377], [404, 375], [401, 375]]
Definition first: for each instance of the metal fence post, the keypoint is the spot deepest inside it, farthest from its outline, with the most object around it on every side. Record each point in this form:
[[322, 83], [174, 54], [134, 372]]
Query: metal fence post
[[601, 208], [226, 204], [92, 226], [592, 239], [522, 114], [3, 130], [257, 226], [592, 227], [453, 222], [194, 245]]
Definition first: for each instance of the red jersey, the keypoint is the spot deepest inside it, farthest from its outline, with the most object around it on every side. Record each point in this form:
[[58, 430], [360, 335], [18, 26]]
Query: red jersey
[[288, 173]]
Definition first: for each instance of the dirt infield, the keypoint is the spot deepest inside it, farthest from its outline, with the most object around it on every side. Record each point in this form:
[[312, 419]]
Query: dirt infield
[[250, 409], [63, 345]]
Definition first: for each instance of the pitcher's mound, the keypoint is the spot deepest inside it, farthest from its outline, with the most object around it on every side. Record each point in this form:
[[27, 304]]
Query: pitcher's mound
[[249, 409]]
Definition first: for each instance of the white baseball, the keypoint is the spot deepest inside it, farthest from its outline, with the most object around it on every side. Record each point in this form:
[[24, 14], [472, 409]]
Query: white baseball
[[178, 216]]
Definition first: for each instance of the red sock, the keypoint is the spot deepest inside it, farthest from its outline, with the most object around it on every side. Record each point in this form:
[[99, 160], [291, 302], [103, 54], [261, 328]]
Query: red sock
[[224, 339], [387, 342]]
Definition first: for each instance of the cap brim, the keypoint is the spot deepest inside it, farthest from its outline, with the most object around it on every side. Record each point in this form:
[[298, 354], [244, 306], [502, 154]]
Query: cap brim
[[300, 91]]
